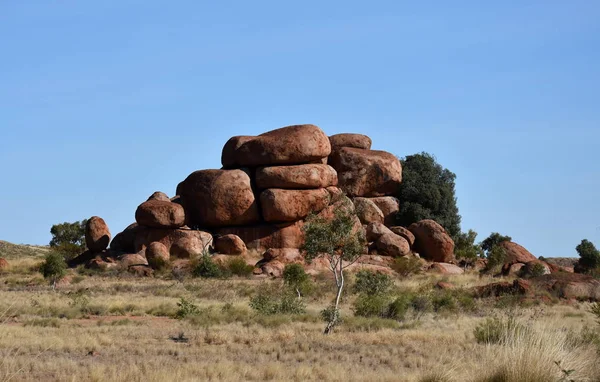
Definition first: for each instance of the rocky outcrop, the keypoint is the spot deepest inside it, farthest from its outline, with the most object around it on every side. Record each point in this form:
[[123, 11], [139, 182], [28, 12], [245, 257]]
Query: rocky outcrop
[[432, 241], [264, 236], [289, 145], [280, 205], [366, 172], [367, 211], [160, 214], [218, 198], [357, 141], [97, 235], [157, 254], [181, 243], [389, 207], [304, 176]]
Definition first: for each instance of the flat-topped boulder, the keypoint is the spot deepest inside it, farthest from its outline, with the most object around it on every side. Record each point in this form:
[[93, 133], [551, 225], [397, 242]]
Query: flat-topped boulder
[[366, 172], [358, 141], [218, 198], [160, 214], [296, 144], [304, 176], [279, 205]]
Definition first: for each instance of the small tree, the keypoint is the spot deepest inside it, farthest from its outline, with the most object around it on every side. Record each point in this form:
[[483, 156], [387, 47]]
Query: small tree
[[465, 247], [493, 240], [68, 238], [54, 267], [295, 277], [336, 241], [589, 256]]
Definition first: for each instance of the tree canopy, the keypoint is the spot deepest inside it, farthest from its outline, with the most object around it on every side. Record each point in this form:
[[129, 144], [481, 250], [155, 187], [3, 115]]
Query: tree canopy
[[589, 256], [427, 191], [68, 238]]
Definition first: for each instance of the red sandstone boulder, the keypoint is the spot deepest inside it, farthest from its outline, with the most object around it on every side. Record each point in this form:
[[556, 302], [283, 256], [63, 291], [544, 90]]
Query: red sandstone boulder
[[230, 245], [392, 245], [157, 195], [265, 236], [97, 235], [389, 206], [305, 176], [280, 205], [125, 241], [405, 233], [519, 287], [3, 264], [432, 241], [516, 253], [273, 268], [160, 214], [288, 145], [335, 193], [132, 259], [367, 211], [537, 268], [366, 172], [515, 269], [570, 285], [357, 141], [217, 198], [157, 254], [181, 243], [446, 269], [284, 255], [375, 230]]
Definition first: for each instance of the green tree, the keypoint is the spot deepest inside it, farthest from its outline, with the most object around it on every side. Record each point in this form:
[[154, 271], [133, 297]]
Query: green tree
[[495, 254], [589, 256], [295, 277], [68, 238], [493, 240], [54, 267], [465, 247], [427, 192], [336, 241]]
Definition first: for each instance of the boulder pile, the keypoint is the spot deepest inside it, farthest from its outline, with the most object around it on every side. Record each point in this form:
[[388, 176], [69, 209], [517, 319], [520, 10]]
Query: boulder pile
[[259, 200]]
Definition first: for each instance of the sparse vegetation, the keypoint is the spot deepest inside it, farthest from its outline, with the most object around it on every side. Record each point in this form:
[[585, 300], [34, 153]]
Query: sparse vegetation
[[54, 267], [237, 266], [589, 258], [206, 267], [68, 238]]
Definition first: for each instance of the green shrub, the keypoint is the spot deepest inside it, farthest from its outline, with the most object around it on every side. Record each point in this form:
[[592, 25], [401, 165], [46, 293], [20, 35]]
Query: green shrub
[[537, 270], [496, 258], [372, 283], [398, 308], [207, 268], [371, 306], [54, 267], [407, 265], [295, 276], [421, 304], [268, 301], [497, 330], [237, 266], [186, 309]]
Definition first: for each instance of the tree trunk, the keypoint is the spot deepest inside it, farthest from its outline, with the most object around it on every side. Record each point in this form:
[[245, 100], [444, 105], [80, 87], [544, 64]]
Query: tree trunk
[[340, 285]]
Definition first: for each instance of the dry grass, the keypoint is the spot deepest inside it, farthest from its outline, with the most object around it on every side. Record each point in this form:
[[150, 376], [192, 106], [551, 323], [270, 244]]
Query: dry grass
[[115, 329]]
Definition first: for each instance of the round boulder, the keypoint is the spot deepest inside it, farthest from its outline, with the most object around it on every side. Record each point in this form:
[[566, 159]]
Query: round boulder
[[160, 214], [264, 236], [296, 177], [366, 172], [446, 269], [288, 145], [97, 235], [357, 141], [367, 211], [389, 206], [516, 253], [230, 245], [218, 198], [280, 205], [392, 245], [125, 241], [157, 254], [159, 196], [432, 241], [375, 230], [405, 233]]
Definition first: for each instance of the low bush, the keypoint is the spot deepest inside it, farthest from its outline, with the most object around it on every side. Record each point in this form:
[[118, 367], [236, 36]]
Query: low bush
[[407, 266], [498, 330], [372, 283], [206, 268], [186, 309], [269, 301], [237, 266], [54, 267]]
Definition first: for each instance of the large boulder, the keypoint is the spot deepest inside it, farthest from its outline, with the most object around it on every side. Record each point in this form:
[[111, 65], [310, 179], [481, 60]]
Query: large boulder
[[296, 177], [389, 206], [97, 235], [264, 236], [446, 269], [357, 141], [392, 245], [405, 233], [125, 241], [181, 243], [279, 205], [366, 172], [218, 198], [157, 254], [516, 253], [570, 285], [230, 245], [375, 230], [160, 214], [367, 211], [132, 259], [432, 241], [288, 145]]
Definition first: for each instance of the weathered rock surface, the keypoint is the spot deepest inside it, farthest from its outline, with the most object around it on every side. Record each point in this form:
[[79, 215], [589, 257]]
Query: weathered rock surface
[[125, 241], [536, 267], [279, 205], [375, 230], [181, 243], [357, 141], [217, 198], [570, 285], [160, 214], [405, 233], [432, 241], [97, 235], [389, 206], [367, 211], [131, 259], [264, 236], [230, 245], [288, 145], [305, 176], [392, 245], [284, 255], [516, 269], [157, 195], [516, 253], [366, 172], [519, 287], [157, 253], [446, 269]]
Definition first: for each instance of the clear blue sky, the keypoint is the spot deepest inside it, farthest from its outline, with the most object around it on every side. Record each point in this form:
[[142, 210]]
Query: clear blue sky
[[104, 102]]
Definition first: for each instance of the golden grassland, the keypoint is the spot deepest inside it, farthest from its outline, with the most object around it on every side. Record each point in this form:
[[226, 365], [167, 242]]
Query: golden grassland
[[123, 329]]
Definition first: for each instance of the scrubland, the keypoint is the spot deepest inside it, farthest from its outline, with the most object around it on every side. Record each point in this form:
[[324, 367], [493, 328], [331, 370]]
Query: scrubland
[[123, 328]]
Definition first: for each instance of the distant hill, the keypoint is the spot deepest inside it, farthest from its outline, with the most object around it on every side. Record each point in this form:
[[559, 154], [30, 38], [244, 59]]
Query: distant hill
[[11, 251]]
